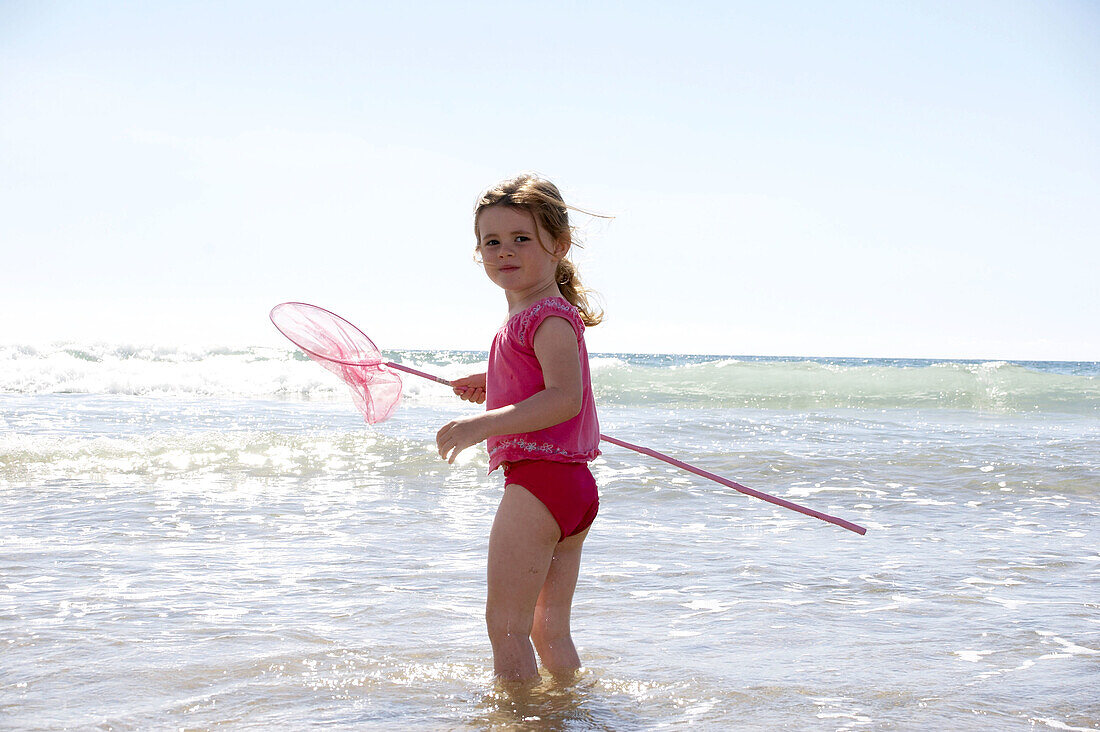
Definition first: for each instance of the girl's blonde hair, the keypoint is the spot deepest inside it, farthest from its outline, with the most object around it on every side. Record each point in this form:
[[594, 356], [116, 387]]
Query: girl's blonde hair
[[543, 201]]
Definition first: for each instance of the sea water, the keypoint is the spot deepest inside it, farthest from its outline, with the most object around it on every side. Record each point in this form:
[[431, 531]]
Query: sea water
[[197, 538]]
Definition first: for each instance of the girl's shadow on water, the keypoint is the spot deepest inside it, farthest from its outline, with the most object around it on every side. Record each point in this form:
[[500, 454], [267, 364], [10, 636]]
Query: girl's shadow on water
[[554, 702]]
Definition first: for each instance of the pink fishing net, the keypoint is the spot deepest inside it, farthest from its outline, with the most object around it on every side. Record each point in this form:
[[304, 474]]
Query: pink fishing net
[[344, 350]]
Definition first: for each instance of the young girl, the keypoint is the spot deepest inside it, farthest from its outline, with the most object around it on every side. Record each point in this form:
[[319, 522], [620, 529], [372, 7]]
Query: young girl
[[540, 423]]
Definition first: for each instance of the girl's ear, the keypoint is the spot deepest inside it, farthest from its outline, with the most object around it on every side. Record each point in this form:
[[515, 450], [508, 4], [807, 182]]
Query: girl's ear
[[561, 247]]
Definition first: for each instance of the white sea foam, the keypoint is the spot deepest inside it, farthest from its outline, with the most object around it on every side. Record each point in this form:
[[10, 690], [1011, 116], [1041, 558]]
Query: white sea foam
[[666, 381]]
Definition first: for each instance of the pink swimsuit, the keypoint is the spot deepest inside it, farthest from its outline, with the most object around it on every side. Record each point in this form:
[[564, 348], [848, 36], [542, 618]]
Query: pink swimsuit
[[565, 486]]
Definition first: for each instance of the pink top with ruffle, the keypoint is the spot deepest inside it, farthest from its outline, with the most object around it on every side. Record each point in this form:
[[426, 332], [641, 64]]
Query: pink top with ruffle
[[514, 374]]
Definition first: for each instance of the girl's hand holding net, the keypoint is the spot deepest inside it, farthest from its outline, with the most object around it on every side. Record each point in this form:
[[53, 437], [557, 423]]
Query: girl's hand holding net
[[470, 388]]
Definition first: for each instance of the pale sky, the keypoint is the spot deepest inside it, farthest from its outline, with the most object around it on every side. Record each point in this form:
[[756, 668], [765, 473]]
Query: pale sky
[[820, 179]]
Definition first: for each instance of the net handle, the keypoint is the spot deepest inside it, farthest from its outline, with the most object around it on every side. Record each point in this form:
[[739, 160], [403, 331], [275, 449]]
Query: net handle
[[414, 372], [842, 523], [737, 486]]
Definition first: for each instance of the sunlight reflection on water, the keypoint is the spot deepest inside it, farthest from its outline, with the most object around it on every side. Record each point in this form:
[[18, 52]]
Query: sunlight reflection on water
[[315, 572]]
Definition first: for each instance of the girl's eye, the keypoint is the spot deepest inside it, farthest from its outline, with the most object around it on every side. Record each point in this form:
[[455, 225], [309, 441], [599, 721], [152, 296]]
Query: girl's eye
[[522, 238], [490, 243]]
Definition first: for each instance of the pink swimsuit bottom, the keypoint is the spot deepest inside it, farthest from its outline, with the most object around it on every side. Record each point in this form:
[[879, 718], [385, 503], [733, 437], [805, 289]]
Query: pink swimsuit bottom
[[568, 490]]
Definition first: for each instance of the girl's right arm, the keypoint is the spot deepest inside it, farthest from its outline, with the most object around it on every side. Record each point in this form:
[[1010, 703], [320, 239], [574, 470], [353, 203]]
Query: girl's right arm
[[470, 388]]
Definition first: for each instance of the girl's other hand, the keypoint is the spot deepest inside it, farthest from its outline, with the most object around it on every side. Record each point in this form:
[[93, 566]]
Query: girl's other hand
[[470, 388], [457, 435]]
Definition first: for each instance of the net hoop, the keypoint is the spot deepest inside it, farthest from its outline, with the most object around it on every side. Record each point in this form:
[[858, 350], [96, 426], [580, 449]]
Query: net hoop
[[306, 306], [326, 339]]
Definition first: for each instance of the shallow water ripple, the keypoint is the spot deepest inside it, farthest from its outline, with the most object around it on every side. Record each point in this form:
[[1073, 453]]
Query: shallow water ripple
[[280, 565]]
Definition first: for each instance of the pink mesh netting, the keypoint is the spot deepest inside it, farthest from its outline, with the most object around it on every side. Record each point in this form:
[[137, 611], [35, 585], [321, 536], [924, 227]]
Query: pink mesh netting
[[344, 350]]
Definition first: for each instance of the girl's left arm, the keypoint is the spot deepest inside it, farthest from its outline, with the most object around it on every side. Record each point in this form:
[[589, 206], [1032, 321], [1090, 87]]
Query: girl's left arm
[[556, 349]]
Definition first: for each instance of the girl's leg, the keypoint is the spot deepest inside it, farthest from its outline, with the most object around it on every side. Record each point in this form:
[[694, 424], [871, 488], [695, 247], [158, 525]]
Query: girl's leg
[[551, 625], [521, 547]]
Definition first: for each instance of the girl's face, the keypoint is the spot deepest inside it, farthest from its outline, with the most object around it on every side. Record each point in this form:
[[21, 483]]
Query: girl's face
[[511, 253]]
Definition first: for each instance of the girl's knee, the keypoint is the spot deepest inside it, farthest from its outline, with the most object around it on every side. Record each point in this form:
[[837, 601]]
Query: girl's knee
[[548, 642], [555, 647], [550, 628], [504, 623]]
